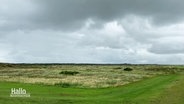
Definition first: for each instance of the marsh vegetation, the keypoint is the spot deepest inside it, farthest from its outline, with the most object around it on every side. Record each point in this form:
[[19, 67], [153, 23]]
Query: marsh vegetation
[[92, 76]]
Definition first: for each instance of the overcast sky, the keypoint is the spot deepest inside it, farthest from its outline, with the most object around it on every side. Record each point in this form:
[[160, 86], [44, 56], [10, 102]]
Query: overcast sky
[[92, 31]]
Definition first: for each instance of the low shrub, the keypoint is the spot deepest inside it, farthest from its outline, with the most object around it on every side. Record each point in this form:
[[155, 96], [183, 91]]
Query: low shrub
[[69, 72], [128, 69]]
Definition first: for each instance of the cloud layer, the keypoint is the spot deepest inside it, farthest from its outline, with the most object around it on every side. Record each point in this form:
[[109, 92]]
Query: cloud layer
[[92, 31]]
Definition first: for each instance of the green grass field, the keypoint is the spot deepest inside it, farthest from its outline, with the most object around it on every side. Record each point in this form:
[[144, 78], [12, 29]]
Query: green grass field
[[159, 88]]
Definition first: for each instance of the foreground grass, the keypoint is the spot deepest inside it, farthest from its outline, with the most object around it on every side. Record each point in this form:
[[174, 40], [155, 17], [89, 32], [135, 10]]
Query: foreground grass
[[147, 91], [174, 94]]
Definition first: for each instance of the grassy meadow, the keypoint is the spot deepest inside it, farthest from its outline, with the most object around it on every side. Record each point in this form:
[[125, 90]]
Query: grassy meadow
[[92, 84]]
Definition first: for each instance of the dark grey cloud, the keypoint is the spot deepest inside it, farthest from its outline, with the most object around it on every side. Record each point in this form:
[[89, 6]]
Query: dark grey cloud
[[71, 14], [99, 31]]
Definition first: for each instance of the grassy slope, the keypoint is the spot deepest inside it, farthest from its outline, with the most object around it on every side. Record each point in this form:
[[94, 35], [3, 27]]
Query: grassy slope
[[145, 91], [174, 94]]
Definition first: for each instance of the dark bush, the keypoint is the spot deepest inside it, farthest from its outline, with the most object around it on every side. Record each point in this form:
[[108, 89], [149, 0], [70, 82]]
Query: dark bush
[[69, 72], [128, 69]]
